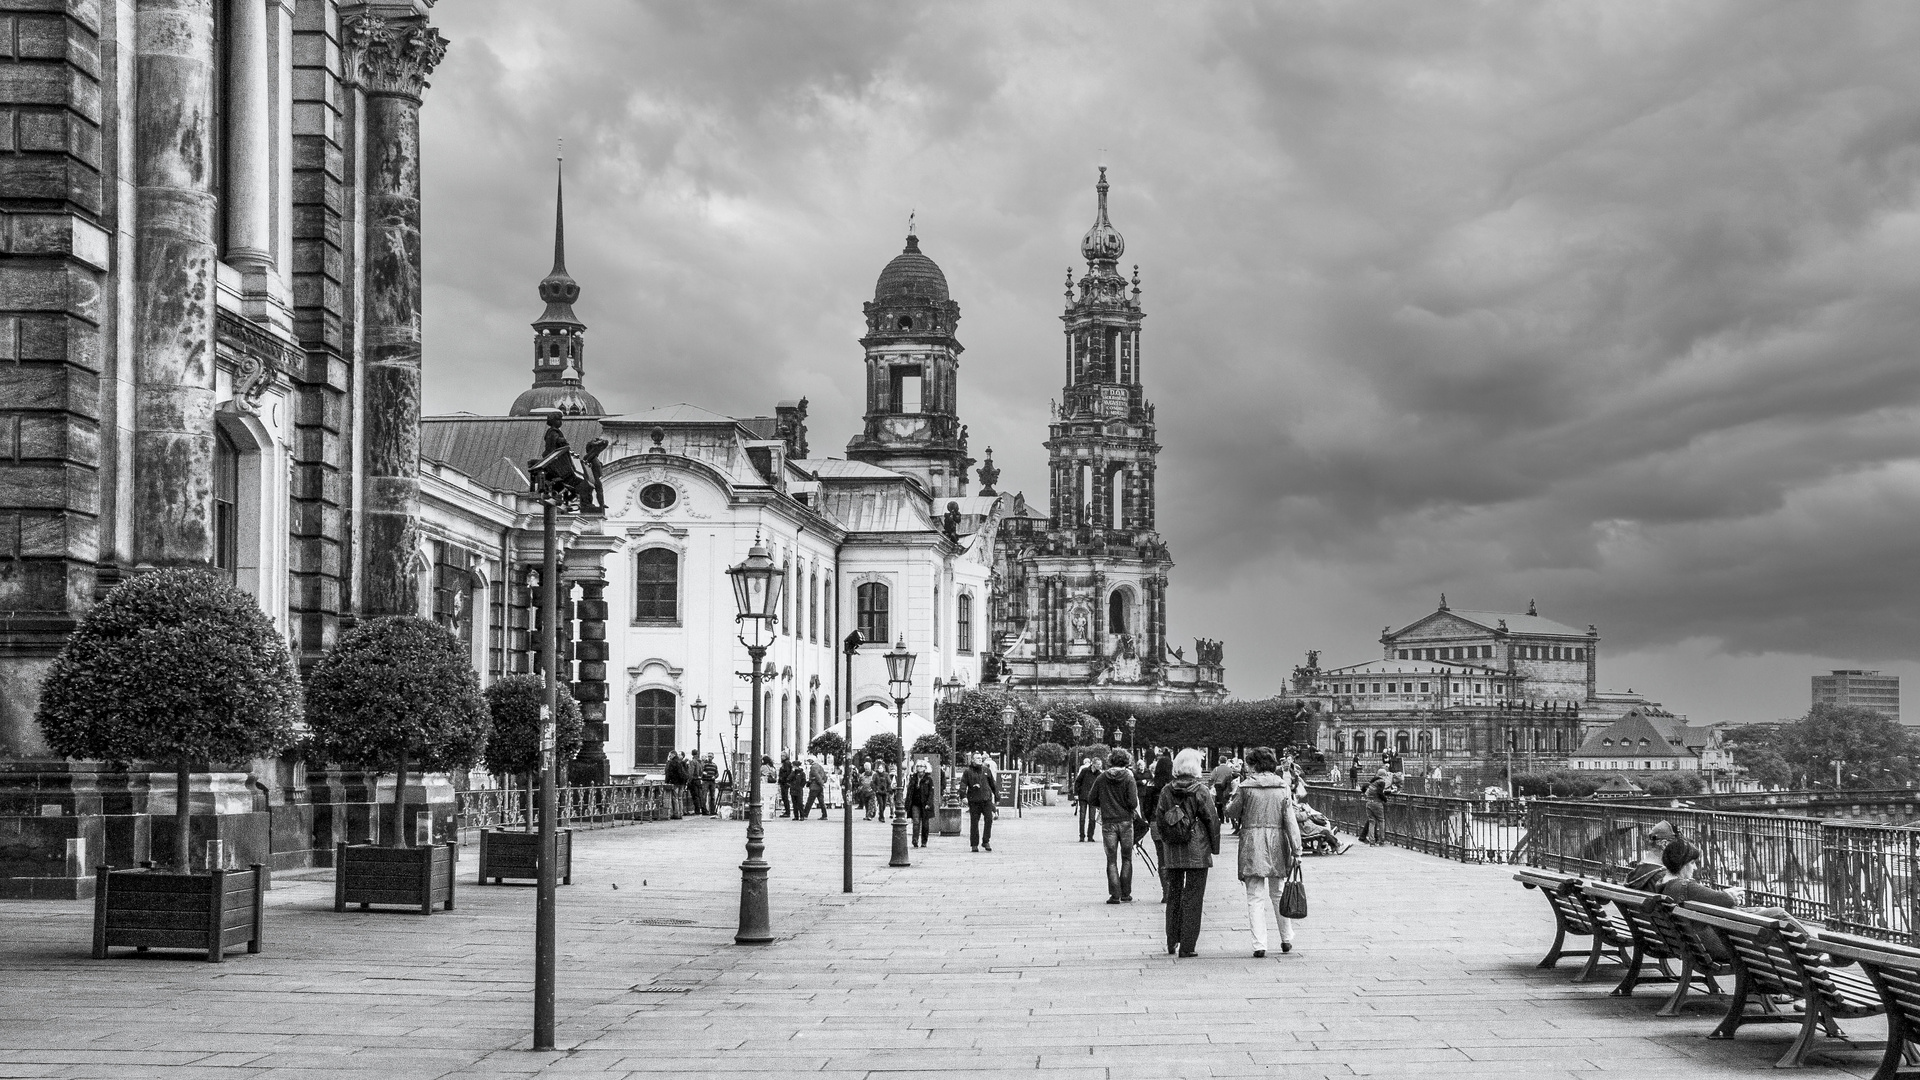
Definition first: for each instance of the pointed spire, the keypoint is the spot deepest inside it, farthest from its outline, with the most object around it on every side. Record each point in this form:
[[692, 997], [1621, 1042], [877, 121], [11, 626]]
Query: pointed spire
[[559, 217], [1101, 187]]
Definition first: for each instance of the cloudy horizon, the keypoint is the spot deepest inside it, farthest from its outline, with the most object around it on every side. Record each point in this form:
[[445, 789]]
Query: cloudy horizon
[[1604, 306]]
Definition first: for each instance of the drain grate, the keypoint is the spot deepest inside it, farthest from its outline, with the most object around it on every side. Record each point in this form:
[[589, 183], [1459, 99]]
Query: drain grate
[[661, 989], [664, 922]]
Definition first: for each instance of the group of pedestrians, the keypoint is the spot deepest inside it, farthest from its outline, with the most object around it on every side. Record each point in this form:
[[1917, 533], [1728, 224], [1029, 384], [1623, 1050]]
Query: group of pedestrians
[[1184, 811], [802, 785], [700, 779]]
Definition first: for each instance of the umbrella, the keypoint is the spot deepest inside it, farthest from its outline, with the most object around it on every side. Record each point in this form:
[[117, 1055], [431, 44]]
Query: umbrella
[[876, 718]]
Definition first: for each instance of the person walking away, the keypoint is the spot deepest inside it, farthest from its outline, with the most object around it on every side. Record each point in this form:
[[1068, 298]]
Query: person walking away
[[816, 777], [863, 789], [920, 800], [1119, 802], [1375, 799], [1188, 830], [797, 789], [1083, 795], [696, 786], [883, 790], [982, 792], [1221, 778], [1269, 844], [786, 785]]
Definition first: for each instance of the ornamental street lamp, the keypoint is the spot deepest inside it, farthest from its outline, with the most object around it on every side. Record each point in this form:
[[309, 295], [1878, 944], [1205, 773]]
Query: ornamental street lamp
[[737, 716], [950, 692], [900, 685], [699, 711], [1131, 723], [1099, 733], [757, 583], [851, 646]]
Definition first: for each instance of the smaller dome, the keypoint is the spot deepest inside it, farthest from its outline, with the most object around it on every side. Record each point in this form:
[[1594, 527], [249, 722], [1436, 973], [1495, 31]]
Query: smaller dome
[[911, 274], [1103, 242], [569, 397]]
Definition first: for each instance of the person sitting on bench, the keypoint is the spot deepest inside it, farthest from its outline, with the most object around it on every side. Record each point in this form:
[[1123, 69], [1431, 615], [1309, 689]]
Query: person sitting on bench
[[1682, 859], [1649, 873]]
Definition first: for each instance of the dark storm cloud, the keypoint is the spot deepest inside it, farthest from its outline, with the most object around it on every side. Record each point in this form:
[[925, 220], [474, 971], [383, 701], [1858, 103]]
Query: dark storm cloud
[[1608, 303]]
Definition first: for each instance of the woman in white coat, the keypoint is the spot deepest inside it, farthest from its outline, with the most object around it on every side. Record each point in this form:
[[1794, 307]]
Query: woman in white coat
[[1269, 844]]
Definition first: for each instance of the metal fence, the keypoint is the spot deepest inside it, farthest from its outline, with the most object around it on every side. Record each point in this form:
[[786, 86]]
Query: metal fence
[[1871, 876], [1777, 859], [1469, 830], [579, 807]]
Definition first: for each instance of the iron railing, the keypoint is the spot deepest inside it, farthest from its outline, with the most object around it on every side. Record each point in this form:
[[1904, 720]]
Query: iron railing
[[1872, 879], [1469, 830], [580, 807]]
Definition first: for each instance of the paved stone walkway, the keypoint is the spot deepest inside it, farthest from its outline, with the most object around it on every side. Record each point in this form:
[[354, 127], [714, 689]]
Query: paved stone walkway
[[966, 964]]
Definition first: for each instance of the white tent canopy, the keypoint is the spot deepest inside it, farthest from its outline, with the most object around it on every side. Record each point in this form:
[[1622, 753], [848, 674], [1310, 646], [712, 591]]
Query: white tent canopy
[[876, 718]]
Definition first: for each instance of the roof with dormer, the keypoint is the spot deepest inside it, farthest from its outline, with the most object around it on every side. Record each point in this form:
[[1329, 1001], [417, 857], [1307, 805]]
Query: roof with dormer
[[1637, 735]]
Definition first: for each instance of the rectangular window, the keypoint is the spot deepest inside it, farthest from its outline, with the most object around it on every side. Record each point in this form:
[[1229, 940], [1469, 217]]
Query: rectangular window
[[656, 586], [813, 606], [871, 602], [1476, 689], [1376, 688], [938, 616], [786, 598], [908, 386], [1426, 688], [963, 624]]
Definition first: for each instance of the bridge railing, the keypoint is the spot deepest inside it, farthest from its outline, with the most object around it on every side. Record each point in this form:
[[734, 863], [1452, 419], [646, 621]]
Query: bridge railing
[[579, 807], [1469, 830]]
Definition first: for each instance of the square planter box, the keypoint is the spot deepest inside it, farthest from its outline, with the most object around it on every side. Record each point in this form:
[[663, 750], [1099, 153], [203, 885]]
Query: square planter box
[[205, 912], [511, 853], [951, 818], [413, 877]]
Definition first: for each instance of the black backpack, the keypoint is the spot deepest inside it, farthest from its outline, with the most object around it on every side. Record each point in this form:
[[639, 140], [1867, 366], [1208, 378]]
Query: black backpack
[[1177, 822]]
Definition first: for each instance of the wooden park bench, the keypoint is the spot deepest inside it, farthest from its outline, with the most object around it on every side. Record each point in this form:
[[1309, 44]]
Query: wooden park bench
[[1573, 917], [1895, 972], [1658, 936], [1776, 962]]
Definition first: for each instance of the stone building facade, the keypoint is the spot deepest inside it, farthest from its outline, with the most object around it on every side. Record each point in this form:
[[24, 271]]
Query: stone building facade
[[1463, 691], [209, 345], [1081, 601]]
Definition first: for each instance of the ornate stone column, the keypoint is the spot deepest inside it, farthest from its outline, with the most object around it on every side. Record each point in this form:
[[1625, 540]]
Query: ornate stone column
[[173, 264], [390, 60], [586, 568], [249, 190]]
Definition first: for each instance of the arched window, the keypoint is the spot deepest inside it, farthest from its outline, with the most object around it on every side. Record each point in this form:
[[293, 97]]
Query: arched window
[[1380, 742], [653, 727], [656, 586], [826, 709], [1559, 739], [786, 723], [226, 505], [786, 598], [1539, 739], [1086, 495], [1426, 742], [1117, 486], [813, 719], [1339, 742], [1401, 742], [939, 616], [813, 605], [1117, 604], [871, 600], [963, 623]]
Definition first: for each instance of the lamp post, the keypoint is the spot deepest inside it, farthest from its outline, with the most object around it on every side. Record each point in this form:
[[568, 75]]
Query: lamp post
[[1131, 724], [1046, 729], [950, 692], [756, 593], [737, 716], [851, 647], [699, 711], [1008, 714], [552, 492], [900, 685]]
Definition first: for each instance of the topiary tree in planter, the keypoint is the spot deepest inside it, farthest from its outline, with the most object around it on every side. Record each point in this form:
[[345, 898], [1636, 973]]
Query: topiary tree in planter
[[514, 703], [177, 667], [396, 693], [513, 742], [828, 744]]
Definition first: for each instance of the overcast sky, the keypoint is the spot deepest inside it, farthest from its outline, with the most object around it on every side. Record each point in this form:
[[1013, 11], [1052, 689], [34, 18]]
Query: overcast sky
[[1612, 306]]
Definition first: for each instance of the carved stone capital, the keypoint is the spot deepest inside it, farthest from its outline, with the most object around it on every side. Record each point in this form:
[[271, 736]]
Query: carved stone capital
[[391, 56]]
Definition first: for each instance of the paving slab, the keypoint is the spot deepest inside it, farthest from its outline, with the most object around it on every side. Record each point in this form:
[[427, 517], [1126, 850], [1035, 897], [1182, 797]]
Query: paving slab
[[1001, 963]]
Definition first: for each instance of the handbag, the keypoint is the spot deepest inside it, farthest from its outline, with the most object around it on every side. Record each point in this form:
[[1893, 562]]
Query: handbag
[[1293, 896]]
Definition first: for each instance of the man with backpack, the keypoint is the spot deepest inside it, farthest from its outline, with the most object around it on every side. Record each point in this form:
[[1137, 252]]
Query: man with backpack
[[1119, 800], [1374, 797], [982, 792], [710, 779]]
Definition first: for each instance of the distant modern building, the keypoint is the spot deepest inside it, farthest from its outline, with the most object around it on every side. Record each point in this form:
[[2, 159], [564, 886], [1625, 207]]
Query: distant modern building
[[1865, 689]]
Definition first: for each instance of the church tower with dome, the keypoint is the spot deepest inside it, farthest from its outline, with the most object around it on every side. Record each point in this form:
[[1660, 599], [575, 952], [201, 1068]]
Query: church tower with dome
[[559, 337], [912, 424]]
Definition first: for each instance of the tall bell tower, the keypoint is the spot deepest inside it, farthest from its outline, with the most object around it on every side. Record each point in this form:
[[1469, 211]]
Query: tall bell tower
[[913, 376], [1102, 581]]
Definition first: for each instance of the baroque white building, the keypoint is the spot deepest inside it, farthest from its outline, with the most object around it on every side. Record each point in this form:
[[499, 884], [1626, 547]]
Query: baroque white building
[[867, 545]]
